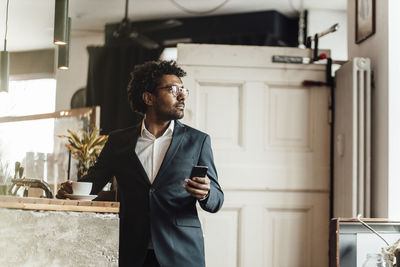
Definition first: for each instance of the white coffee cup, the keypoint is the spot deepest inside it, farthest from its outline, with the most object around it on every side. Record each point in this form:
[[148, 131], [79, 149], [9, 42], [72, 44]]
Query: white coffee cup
[[81, 188]]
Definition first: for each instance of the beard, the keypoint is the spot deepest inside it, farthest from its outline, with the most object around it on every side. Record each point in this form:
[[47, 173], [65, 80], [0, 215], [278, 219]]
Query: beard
[[173, 113]]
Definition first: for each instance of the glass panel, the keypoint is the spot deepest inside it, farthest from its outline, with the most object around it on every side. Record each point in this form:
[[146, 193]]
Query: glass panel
[[33, 141]]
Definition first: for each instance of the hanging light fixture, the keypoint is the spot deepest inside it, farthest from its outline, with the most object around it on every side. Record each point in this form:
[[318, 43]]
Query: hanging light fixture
[[63, 50], [5, 71], [61, 22], [5, 60]]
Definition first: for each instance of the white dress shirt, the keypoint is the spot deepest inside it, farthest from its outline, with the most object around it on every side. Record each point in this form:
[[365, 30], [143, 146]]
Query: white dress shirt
[[151, 150]]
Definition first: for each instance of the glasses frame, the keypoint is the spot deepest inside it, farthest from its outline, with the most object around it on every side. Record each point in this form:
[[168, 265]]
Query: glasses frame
[[175, 90]]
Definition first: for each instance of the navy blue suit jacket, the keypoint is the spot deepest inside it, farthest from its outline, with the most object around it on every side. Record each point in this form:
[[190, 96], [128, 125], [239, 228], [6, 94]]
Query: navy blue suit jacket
[[162, 211]]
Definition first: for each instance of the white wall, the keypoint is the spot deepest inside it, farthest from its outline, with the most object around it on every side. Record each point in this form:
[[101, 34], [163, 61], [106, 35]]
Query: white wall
[[382, 48], [376, 48], [71, 80], [394, 109], [320, 20]]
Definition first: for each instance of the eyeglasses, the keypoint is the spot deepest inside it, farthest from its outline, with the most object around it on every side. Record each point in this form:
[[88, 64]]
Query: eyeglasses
[[176, 90]]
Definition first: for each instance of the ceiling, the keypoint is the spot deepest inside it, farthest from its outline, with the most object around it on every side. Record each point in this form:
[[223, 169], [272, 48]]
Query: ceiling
[[30, 23]]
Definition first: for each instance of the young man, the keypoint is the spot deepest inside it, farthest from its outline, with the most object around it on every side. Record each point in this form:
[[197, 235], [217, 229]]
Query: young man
[[152, 162]]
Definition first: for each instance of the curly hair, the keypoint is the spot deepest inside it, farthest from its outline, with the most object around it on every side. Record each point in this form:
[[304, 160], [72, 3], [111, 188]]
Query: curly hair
[[146, 78]]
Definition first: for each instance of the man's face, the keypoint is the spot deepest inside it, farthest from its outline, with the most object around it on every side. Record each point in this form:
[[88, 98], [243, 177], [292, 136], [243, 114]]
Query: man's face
[[166, 105]]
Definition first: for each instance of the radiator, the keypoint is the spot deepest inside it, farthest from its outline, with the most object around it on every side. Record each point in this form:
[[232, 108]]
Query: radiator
[[352, 140]]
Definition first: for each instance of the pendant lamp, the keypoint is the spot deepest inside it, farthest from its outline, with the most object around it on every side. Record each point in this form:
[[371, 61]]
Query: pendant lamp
[[61, 22], [5, 60], [63, 50], [4, 70]]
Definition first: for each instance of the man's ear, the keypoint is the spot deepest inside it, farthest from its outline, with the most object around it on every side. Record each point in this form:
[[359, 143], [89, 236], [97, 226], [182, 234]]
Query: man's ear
[[148, 98]]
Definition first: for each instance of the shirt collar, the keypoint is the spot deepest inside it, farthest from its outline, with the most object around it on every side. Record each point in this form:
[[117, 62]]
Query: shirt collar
[[168, 132]]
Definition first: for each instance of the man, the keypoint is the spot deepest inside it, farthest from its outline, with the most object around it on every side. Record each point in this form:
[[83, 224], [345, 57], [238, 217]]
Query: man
[[152, 162]]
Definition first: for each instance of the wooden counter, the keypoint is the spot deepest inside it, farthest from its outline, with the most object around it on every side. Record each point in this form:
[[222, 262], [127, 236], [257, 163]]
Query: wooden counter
[[31, 203]]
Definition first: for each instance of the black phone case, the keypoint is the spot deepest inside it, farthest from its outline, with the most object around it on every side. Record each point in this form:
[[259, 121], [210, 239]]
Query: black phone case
[[198, 171]]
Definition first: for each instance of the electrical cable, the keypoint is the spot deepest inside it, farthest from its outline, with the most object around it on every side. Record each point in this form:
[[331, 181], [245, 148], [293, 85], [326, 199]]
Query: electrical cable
[[292, 6], [126, 8], [179, 6], [298, 10], [5, 35], [370, 228]]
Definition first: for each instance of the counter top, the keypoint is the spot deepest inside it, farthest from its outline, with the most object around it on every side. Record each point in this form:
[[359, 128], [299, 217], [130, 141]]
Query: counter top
[[31, 203]]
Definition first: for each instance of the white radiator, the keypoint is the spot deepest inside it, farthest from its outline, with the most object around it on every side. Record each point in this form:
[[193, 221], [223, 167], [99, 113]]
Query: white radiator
[[352, 140]]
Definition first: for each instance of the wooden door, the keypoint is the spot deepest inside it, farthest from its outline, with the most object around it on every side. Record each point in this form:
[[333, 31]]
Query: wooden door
[[270, 137]]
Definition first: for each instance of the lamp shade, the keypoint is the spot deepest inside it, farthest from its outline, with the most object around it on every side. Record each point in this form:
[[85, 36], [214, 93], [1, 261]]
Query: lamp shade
[[4, 70], [63, 50], [61, 22]]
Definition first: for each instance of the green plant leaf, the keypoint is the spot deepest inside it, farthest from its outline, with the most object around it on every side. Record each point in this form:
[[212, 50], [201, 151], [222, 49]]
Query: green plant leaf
[[75, 138], [86, 149]]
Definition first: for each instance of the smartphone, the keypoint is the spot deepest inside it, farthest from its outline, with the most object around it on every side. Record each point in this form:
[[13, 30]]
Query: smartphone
[[198, 171]]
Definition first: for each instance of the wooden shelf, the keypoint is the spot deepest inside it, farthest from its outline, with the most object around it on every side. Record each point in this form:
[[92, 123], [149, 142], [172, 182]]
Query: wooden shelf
[[31, 203]]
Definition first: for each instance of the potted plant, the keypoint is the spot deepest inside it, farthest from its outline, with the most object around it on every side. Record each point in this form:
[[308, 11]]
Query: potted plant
[[85, 148]]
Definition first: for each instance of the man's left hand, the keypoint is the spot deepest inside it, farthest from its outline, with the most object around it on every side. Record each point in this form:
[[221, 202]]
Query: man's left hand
[[198, 187]]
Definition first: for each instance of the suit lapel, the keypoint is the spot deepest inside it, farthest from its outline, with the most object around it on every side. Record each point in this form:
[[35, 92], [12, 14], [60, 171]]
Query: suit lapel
[[177, 137], [134, 158]]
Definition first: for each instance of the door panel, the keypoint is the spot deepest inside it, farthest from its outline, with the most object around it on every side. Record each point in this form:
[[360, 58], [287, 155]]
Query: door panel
[[216, 96], [288, 121], [270, 136], [268, 229]]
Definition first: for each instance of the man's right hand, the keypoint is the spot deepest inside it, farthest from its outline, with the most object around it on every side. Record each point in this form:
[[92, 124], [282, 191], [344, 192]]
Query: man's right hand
[[65, 188]]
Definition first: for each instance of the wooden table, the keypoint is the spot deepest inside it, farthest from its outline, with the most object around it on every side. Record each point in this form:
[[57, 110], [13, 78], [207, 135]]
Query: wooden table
[[30, 203]]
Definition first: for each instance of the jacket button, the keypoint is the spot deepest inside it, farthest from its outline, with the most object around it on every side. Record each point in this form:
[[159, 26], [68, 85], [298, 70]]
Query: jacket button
[[152, 190]]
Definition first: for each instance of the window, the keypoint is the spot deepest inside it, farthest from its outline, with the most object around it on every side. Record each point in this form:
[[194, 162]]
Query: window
[[26, 97]]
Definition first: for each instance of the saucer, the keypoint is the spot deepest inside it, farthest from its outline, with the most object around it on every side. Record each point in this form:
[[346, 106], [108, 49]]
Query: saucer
[[80, 197]]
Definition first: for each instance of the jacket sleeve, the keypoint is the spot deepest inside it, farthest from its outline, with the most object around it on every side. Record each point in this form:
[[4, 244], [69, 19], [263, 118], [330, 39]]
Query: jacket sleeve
[[101, 172], [215, 198]]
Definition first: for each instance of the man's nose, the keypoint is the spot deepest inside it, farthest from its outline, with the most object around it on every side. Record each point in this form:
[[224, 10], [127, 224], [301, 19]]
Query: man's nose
[[181, 96]]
